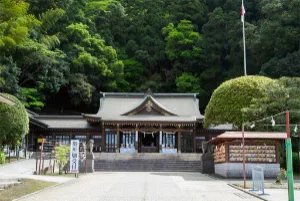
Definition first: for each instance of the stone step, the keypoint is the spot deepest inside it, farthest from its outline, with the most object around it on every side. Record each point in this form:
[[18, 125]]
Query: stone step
[[146, 156], [156, 162], [148, 165]]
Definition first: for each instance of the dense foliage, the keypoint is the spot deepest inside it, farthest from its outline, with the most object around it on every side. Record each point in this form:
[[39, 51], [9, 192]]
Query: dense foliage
[[60, 54], [228, 100], [14, 122], [62, 155]]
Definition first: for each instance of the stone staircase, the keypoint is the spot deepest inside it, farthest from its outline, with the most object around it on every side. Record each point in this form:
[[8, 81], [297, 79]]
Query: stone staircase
[[149, 162]]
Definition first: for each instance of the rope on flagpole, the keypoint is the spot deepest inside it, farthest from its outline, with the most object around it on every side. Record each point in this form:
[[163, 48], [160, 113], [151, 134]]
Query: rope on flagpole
[[244, 40]]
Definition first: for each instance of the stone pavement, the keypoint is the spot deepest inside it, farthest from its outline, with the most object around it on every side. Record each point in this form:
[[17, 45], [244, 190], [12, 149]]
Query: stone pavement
[[274, 194], [280, 194], [142, 186], [18, 167]]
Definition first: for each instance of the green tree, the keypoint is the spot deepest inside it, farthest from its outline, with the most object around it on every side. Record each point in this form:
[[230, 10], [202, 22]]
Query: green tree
[[80, 89], [228, 100], [32, 99], [182, 42], [15, 24], [280, 96], [62, 155], [188, 83], [14, 122], [287, 66], [99, 65], [133, 74], [9, 76]]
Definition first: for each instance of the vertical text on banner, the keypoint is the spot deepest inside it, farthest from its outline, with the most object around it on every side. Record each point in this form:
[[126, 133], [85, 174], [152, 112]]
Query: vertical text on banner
[[74, 156]]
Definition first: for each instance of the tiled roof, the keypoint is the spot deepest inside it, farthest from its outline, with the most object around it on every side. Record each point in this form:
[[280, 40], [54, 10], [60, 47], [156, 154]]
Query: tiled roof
[[231, 135], [63, 122], [114, 105]]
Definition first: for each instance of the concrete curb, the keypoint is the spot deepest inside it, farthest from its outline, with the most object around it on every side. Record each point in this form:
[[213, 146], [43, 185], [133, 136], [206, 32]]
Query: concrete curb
[[245, 191], [36, 192]]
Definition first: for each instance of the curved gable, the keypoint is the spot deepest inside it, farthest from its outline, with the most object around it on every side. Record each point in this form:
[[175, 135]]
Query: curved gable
[[149, 106]]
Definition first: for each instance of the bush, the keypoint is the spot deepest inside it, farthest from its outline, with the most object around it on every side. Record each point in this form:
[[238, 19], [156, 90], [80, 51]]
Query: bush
[[281, 175], [14, 121], [231, 97], [2, 157], [62, 155], [295, 162]]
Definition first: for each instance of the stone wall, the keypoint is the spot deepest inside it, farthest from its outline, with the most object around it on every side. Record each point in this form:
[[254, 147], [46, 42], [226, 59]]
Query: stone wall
[[236, 169]]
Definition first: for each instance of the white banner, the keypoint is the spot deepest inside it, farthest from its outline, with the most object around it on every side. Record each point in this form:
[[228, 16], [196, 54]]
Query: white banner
[[74, 156], [136, 136], [160, 137]]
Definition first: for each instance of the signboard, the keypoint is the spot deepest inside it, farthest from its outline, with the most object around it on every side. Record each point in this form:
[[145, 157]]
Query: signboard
[[258, 179], [40, 140], [74, 156], [82, 151]]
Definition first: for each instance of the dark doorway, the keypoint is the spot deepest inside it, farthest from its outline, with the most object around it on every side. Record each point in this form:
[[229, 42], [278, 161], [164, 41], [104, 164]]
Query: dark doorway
[[149, 143]]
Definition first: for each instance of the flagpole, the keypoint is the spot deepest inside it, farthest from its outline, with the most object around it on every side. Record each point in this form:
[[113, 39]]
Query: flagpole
[[244, 42]]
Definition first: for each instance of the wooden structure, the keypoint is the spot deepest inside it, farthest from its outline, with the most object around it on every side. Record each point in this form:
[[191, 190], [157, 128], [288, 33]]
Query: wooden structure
[[261, 148], [133, 122]]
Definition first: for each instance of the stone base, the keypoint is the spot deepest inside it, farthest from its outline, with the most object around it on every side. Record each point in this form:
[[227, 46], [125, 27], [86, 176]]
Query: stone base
[[236, 169], [208, 163], [89, 164]]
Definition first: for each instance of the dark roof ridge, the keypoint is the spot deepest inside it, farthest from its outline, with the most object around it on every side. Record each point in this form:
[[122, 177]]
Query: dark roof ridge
[[59, 117], [143, 94]]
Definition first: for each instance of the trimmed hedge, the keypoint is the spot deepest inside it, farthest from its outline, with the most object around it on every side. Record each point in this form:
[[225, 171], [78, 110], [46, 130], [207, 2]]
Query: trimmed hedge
[[14, 121], [231, 96]]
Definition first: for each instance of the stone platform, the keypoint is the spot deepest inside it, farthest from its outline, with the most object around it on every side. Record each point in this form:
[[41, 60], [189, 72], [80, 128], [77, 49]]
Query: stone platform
[[151, 162], [236, 169]]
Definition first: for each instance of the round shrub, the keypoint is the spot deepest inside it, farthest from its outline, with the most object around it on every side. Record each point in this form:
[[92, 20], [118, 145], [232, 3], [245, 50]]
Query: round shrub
[[14, 121], [231, 96]]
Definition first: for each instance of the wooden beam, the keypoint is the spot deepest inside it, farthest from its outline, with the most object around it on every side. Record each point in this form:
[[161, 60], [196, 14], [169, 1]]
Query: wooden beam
[[194, 139], [179, 140], [118, 139], [103, 138]]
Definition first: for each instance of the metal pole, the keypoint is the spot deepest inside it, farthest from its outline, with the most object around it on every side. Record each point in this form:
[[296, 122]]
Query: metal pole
[[50, 168], [41, 156], [26, 149], [289, 159], [244, 166], [43, 163], [36, 163], [244, 41]]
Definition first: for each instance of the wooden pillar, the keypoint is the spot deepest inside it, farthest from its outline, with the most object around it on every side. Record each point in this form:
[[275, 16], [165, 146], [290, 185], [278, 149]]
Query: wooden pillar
[[194, 139], [179, 139], [103, 138], [160, 139], [118, 140]]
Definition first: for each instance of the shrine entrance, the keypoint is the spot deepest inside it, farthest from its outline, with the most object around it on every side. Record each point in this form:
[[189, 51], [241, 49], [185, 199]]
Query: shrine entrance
[[149, 142]]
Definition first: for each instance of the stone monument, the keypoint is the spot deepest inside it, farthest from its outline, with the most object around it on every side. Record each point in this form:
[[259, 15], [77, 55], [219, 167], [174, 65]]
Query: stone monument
[[91, 145]]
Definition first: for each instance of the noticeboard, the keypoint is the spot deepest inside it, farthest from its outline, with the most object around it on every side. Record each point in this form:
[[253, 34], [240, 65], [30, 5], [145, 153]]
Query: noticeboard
[[74, 156]]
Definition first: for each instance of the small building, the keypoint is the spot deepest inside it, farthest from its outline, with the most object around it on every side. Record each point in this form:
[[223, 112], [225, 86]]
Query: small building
[[261, 149], [131, 122]]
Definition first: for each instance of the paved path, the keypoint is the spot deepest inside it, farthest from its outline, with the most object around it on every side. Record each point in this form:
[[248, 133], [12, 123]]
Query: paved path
[[19, 167], [25, 169], [273, 194], [140, 186], [280, 194]]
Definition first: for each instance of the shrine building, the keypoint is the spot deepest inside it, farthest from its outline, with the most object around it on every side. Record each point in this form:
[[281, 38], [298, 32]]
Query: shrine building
[[130, 123]]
